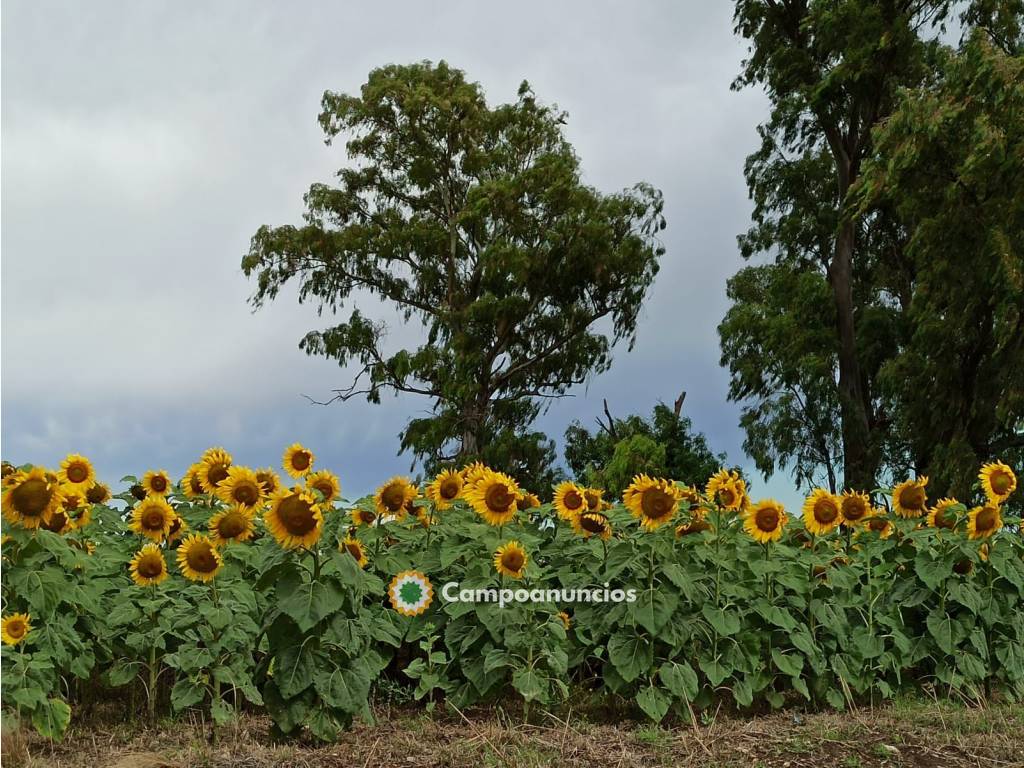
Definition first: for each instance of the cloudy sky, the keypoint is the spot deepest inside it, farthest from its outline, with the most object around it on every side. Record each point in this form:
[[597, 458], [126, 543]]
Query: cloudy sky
[[144, 143]]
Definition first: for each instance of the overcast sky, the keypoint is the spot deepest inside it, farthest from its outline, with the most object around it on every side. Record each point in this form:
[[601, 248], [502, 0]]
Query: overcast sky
[[145, 142]]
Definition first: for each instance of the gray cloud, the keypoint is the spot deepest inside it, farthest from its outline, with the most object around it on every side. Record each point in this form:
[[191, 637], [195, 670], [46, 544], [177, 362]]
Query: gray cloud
[[145, 142]]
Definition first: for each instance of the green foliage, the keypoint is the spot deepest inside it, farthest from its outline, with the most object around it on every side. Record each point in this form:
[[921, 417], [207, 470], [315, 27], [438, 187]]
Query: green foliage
[[307, 634], [665, 446], [473, 221], [949, 163]]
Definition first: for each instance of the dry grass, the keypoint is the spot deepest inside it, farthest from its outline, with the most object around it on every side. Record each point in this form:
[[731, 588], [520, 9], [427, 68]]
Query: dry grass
[[915, 735]]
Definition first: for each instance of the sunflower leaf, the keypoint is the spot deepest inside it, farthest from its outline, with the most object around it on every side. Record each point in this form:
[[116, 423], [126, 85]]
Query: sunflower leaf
[[654, 703]]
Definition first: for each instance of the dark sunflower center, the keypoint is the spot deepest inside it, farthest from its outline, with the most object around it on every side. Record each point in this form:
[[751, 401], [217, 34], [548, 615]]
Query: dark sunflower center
[[57, 522], [854, 509], [151, 566], [16, 628], [77, 473], [296, 515], [912, 498], [878, 524], [573, 500], [367, 516], [32, 497], [449, 489], [1000, 482], [96, 495], [354, 549], [393, 497], [300, 460], [175, 526], [767, 519], [498, 498], [217, 473], [266, 481], [986, 519], [656, 504], [694, 527], [246, 493], [727, 496], [153, 519], [201, 557], [593, 501], [513, 560], [231, 525], [944, 519], [325, 488], [592, 523], [158, 484], [194, 485], [825, 511]]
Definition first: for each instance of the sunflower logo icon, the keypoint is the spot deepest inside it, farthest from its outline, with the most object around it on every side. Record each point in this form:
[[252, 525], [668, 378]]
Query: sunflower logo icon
[[411, 593]]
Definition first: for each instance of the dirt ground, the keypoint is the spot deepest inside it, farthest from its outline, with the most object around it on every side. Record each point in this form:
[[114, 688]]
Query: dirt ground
[[917, 735]]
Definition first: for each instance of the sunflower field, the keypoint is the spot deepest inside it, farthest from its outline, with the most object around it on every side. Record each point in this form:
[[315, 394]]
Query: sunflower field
[[238, 589]]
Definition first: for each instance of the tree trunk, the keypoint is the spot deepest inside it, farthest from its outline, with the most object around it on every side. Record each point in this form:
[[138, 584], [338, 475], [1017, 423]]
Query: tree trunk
[[858, 462]]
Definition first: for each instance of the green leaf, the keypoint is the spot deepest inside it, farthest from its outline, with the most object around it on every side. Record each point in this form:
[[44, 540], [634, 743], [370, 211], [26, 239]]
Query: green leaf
[[310, 602], [52, 718], [654, 608], [186, 693], [654, 703], [725, 622], [940, 625], [715, 671], [788, 663], [293, 670], [932, 571], [630, 654], [680, 679], [529, 684]]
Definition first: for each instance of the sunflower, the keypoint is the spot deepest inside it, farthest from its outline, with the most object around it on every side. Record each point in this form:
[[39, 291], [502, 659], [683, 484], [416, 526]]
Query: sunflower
[[15, 628], [268, 480], [765, 521], [156, 483], [653, 502], [178, 528], [495, 497], [198, 558], [880, 524], [58, 522], [471, 473], [355, 548], [570, 500], [7, 469], [148, 567], [213, 469], [76, 470], [297, 461], [693, 498], [697, 525], [152, 518], [822, 512], [191, 484], [392, 497], [727, 489], [236, 523], [241, 487], [532, 501], [592, 524], [510, 559], [855, 507], [445, 489], [98, 493], [326, 482], [294, 519], [29, 498], [982, 522], [909, 498], [998, 481], [943, 514], [77, 507], [594, 501], [564, 618], [363, 517]]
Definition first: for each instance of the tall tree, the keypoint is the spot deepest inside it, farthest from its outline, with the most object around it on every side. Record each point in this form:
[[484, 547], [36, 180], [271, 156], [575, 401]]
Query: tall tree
[[950, 162], [472, 221], [833, 69], [665, 445]]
